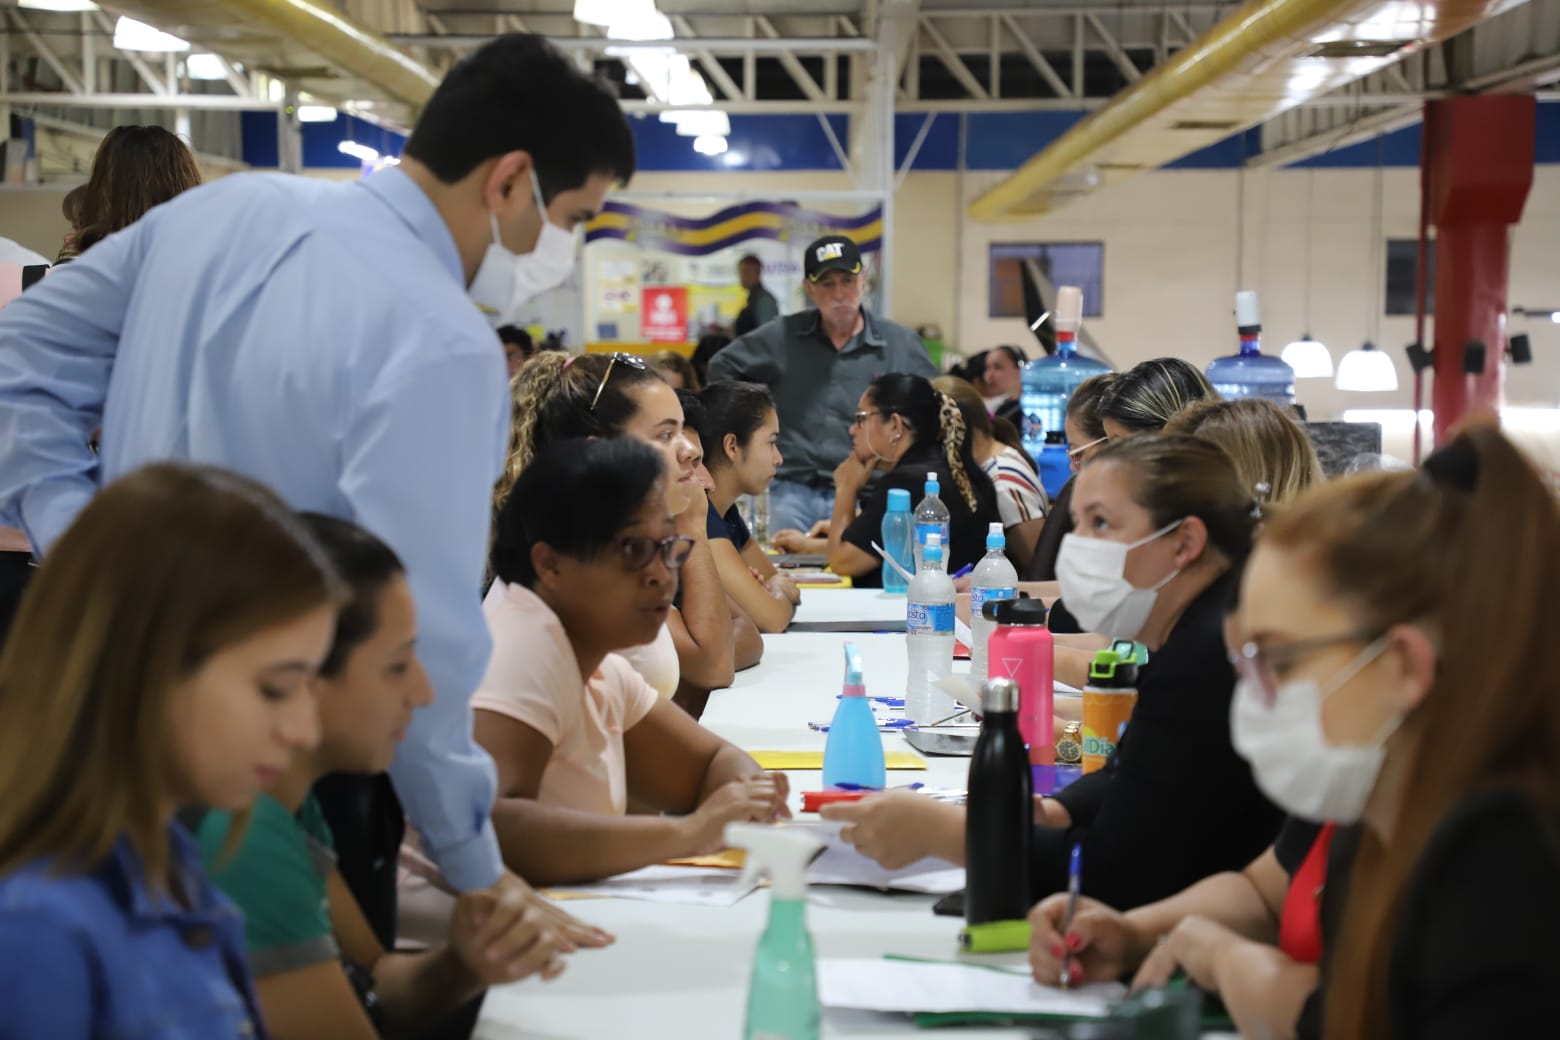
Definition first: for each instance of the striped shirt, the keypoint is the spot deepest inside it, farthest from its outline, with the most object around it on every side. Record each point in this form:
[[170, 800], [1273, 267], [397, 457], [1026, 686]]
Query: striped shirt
[[1019, 496]]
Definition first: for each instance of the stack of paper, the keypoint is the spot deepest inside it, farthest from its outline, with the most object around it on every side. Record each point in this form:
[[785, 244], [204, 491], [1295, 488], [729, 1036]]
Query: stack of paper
[[840, 864]]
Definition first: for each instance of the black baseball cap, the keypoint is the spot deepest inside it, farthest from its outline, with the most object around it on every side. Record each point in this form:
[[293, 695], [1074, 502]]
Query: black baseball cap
[[831, 253]]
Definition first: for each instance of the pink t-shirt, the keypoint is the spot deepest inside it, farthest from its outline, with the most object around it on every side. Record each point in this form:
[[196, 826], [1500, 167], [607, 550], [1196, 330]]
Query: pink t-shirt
[[533, 677]]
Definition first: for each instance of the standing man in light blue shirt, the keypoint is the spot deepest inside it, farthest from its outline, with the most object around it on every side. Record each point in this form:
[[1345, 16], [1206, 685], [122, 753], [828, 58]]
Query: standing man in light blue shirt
[[323, 339]]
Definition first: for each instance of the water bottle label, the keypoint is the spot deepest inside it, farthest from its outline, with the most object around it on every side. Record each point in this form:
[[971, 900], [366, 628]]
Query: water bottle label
[[980, 597], [929, 619]]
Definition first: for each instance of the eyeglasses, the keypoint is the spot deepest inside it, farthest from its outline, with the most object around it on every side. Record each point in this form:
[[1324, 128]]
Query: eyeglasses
[[637, 550], [1077, 453], [861, 417], [1256, 663], [631, 360]]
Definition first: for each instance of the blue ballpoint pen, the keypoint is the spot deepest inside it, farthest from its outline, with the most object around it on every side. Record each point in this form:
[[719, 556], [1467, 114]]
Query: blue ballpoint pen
[[962, 571], [1074, 883]]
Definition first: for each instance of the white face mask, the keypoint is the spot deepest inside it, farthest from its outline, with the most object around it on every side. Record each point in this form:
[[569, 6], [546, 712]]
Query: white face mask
[[1290, 757], [1092, 572], [506, 280]]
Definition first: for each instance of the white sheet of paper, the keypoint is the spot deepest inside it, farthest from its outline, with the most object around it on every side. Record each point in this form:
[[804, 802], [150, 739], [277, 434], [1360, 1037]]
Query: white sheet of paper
[[907, 986], [690, 886], [840, 864]]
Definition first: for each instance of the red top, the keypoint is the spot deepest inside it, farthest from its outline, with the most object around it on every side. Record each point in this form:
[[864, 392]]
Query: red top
[[1300, 927]]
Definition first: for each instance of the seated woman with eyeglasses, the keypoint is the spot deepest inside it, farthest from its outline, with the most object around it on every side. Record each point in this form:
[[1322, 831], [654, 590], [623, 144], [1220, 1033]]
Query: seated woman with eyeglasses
[[1373, 609], [558, 397], [906, 427], [586, 557]]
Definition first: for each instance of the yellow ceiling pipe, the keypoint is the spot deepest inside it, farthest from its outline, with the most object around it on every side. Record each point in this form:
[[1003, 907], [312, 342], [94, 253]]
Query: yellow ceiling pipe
[[311, 24], [1247, 43]]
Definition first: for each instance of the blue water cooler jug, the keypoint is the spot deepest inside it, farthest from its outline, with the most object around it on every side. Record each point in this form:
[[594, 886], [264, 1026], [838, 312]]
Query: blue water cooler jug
[[1049, 382], [1252, 373]]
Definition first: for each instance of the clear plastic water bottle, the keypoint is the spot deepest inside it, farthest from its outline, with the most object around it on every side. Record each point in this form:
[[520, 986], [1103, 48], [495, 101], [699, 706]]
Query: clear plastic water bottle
[[760, 526], [1055, 465], [931, 517], [929, 638], [1049, 382], [994, 580], [1252, 373], [898, 540]]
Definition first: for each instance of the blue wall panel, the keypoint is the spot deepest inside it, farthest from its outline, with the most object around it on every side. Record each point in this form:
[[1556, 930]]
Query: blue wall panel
[[779, 142], [258, 133]]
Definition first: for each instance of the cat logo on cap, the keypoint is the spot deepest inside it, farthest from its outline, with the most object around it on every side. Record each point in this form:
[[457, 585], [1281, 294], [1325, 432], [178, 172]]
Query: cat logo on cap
[[830, 251]]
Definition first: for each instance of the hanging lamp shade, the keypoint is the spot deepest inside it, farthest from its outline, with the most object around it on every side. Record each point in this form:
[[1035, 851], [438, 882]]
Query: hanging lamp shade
[[1309, 359], [1367, 370]]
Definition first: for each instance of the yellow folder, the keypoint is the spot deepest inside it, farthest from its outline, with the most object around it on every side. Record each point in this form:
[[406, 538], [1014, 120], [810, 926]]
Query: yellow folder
[[814, 759]]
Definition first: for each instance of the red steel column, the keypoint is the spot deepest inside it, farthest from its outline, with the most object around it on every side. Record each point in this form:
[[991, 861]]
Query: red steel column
[[1479, 167]]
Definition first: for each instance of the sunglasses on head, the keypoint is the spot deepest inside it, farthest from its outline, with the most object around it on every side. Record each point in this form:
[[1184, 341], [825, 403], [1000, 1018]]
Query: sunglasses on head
[[617, 357]]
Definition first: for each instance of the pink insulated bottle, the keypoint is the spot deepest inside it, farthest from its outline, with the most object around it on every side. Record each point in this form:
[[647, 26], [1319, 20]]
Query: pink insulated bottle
[[1021, 650]]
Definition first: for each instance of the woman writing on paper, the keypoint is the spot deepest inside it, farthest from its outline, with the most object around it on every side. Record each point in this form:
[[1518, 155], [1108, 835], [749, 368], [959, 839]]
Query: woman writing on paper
[[1372, 610]]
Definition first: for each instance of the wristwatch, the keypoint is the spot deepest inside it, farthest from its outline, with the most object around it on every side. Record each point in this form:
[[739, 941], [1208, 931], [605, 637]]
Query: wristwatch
[[1069, 744]]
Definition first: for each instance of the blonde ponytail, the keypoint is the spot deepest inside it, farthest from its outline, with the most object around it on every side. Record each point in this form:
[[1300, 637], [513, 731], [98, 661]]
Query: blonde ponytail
[[951, 421]]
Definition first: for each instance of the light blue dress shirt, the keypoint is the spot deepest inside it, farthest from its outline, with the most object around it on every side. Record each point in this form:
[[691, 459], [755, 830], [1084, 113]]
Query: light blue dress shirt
[[314, 336]]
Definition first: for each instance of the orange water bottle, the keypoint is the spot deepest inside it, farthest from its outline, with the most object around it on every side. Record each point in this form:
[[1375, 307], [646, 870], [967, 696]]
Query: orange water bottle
[[1108, 701]]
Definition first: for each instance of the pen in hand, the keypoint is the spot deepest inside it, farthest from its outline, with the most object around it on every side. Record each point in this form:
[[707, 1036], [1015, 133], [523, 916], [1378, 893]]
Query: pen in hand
[[1074, 882]]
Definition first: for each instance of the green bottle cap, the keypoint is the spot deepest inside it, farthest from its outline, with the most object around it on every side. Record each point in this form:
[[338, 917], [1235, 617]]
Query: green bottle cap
[[1110, 669]]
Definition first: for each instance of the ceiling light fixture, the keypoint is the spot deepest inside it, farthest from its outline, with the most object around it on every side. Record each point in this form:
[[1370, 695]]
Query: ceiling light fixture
[[361, 152], [605, 12], [204, 66], [131, 35], [66, 6]]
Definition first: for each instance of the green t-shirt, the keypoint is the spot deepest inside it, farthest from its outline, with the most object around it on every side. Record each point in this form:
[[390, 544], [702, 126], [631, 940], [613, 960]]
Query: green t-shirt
[[277, 878]]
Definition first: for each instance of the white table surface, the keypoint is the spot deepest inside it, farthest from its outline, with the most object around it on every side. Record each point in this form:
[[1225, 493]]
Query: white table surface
[[829, 606], [681, 972]]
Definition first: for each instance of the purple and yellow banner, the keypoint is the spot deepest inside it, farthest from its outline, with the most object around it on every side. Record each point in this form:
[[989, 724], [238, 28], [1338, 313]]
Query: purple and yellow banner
[[687, 236]]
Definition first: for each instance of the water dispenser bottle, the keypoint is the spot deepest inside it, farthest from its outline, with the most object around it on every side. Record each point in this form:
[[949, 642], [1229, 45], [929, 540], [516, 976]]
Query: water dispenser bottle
[[1049, 382], [1252, 373]]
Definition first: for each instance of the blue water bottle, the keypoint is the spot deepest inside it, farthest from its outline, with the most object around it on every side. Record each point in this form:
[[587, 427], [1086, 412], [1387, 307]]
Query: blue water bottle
[[1055, 465], [898, 540], [854, 752], [1252, 373], [1049, 382]]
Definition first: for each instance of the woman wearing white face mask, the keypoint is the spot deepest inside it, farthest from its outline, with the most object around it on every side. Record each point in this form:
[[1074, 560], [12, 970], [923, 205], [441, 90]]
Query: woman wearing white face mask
[[1162, 525], [1371, 611]]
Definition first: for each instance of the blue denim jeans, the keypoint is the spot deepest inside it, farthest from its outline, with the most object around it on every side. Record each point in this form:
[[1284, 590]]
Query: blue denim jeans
[[797, 507]]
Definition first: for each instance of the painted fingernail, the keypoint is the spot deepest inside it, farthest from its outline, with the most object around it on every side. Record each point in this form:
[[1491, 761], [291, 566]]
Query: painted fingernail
[[1076, 975], [1074, 943]]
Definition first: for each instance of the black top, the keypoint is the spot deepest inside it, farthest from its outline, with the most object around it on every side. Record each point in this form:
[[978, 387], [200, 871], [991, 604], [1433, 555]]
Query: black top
[[966, 527], [730, 526], [1294, 842], [1475, 950], [761, 307], [1061, 621], [1175, 803], [1058, 522]]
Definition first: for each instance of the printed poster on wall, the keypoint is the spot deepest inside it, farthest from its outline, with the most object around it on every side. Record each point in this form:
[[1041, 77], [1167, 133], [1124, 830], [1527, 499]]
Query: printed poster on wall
[[664, 314]]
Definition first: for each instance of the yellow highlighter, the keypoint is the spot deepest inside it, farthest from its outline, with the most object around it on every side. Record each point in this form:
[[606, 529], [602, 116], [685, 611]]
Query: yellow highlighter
[[995, 937]]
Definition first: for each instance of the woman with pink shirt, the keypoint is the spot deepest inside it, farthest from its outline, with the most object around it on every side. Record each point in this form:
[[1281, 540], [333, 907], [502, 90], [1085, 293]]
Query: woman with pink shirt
[[558, 397], [586, 558]]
